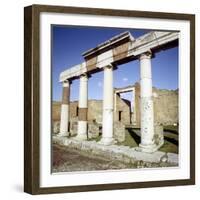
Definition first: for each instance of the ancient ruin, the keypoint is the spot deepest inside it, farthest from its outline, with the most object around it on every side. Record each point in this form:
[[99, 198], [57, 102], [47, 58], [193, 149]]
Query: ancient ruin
[[148, 112]]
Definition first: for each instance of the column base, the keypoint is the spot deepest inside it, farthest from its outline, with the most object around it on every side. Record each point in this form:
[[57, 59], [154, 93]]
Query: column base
[[107, 141], [63, 134], [81, 137], [151, 148]]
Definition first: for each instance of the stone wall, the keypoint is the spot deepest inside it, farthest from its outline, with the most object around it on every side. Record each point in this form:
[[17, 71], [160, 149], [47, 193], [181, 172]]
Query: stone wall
[[123, 110], [94, 110], [165, 105], [165, 108], [56, 111]]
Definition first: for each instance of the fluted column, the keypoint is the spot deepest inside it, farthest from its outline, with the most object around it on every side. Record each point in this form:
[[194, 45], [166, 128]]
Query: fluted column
[[146, 105], [107, 122], [64, 118], [83, 108]]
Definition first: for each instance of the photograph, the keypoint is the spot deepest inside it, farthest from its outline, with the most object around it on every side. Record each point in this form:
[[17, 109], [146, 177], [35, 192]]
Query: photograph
[[109, 99], [114, 98]]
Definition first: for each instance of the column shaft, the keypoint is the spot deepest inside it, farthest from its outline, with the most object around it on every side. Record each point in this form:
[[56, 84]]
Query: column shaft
[[107, 122], [83, 106], [133, 119], [146, 105], [64, 118]]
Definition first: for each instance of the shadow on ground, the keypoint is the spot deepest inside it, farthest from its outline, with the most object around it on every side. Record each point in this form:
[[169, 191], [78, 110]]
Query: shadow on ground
[[132, 139]]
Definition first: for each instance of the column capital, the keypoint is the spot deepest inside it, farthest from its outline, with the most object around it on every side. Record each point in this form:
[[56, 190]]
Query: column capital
[[108, 66], [84, 76], [66, 83], [146, 55]]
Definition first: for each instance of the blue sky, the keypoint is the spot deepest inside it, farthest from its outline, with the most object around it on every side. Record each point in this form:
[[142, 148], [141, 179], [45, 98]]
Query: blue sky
[[69, 42]]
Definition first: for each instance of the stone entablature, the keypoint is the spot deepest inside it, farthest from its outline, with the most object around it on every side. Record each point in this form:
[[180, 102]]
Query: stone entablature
[[127, 49], [109, 44]]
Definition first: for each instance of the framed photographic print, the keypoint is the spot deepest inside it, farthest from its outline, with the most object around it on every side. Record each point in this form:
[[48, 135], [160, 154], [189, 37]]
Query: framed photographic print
[[109, 99]]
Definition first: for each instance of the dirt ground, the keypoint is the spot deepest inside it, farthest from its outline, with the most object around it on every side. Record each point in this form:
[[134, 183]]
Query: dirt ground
[[65, 159], [69, 160]]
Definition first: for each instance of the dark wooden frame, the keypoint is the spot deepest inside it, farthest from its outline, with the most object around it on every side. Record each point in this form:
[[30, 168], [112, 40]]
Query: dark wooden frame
[[32, 106]]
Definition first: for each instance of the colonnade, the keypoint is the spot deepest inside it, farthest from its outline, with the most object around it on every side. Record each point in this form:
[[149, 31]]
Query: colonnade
[[146, 106]]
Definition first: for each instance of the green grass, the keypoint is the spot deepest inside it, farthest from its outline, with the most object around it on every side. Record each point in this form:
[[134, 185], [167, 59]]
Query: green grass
[[129, 141], [97, 139], [173, 129], [169, 145]]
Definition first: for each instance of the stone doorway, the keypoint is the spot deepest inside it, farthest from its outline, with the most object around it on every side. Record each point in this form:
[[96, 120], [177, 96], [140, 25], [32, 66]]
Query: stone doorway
[[128, 117]]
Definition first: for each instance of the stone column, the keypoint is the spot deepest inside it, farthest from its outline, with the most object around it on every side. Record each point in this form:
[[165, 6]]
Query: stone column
[[107, 121], [83, 107], [64, 118], [146, 105], [133, 117]]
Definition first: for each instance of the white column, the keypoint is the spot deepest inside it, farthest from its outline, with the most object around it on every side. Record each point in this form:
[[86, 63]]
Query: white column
[[146, 105], [107, 124], [133, 117], [64, 118], [83, 105]]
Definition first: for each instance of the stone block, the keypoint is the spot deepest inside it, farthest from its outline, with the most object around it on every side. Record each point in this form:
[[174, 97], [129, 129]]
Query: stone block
[[158, 134], [73, 126], [56, 127], [119, 131], [93, 130]]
